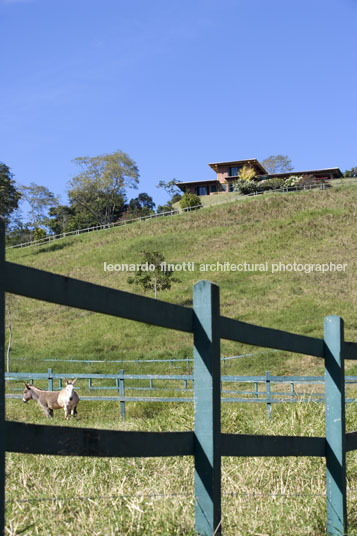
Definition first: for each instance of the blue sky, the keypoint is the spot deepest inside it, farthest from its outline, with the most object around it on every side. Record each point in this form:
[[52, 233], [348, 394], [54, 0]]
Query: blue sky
[[176, 84]]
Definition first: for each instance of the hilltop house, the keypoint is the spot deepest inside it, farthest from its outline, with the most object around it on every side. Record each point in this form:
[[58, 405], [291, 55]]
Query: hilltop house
[[227, 174]]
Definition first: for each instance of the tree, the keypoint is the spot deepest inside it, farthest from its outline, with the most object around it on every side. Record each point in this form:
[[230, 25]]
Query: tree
[[170, 187], [351, 172], [277, 164], [190, 200], [61, 219], [173, 191], [40, 200], [100, 189], [9, 195], [246, 173], [143, 205], [152, 273]]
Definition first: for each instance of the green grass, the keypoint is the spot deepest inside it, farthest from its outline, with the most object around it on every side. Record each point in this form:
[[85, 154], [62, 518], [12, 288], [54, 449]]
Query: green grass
[[64, 496], [306, 227], [155, 496]]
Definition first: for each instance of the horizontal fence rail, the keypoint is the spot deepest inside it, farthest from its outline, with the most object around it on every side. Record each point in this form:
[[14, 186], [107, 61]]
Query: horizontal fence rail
[[206, 442], [122, 385]]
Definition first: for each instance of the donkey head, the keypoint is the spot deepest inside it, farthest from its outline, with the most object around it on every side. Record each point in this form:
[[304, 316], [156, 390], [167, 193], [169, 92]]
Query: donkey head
[[27, 395], [70, 388]]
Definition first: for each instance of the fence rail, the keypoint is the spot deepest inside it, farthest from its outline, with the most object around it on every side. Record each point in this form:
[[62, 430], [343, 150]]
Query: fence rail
[[205, 443], [267, 396]]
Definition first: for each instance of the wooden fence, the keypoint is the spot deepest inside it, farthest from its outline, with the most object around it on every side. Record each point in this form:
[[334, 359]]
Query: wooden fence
[[205, 443], [262, 393]]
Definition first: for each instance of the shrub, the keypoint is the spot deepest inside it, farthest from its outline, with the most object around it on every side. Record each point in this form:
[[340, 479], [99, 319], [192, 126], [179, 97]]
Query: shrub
[[270, 184], [247, 173], [293, 180], [246, 187], [39, 234], [190, 200]]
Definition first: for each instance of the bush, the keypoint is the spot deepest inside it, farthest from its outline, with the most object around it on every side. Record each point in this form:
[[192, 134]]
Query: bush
[[247, 173], [293, 180], [39, 234], [190, 200], [245, 187], [270, 184]]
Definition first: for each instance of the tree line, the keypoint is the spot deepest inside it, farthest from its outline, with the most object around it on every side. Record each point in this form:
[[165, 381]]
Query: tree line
[[97, 195]]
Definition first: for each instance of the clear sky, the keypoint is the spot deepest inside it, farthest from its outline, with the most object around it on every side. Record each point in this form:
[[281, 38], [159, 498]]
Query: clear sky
[[176, 84]]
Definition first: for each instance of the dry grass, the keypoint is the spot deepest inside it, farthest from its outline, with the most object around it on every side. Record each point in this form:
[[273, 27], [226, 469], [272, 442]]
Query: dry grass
[[155, 496]]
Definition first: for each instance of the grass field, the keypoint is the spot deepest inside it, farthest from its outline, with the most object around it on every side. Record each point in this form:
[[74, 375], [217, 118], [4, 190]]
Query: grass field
[[155, 496], [306, 227], [76, 496]]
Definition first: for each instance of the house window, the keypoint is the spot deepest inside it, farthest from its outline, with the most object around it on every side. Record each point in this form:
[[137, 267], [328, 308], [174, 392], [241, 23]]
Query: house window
[[234, 171], [231, 187], [213, 188], [201, 190]]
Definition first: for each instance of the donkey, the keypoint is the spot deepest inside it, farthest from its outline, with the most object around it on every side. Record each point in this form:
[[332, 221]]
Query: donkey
[[67, 398]]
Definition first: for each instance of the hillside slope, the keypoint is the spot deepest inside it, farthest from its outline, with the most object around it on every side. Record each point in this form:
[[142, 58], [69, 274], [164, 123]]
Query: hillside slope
[[306, 227]]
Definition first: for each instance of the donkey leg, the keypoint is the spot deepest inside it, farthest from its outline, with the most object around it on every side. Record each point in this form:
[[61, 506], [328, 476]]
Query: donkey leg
[[47, 410], [66, 413]]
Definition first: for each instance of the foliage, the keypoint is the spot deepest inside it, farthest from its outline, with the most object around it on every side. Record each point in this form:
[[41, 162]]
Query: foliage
[[164, 208], [170, 187], [270, 184], [143, 205], [152, 273], [190, 200], [61, 219], [40, 200], [307, 180], [351, 172], [100, 189], [277, 164], [9, 195], [39, 233], [293, 180], [245, 187], [246, 173], [18, 232]]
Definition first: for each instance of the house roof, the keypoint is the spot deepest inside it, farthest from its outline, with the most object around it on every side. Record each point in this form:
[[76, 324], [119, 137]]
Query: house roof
[[254, 161], [335, 171]]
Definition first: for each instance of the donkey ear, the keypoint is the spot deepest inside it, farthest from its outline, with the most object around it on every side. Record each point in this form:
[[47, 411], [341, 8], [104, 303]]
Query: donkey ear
[[74, 381], [27, 385], [65, 379]]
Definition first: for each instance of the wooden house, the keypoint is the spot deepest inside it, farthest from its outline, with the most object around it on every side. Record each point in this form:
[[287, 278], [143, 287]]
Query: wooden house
[[228, 172]]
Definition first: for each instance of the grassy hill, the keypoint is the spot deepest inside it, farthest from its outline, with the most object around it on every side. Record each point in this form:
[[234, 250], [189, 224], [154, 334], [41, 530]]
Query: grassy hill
[[156, 496], [304, 227]]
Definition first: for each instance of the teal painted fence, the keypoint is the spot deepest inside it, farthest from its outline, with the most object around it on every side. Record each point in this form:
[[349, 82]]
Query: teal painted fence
[[205, 443], [263, 392]]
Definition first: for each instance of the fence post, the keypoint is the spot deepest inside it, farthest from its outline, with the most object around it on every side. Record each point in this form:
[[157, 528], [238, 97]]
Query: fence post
[[268, 393], [122, 394], [207, 399], [335, 427], [2, 379], [50, 380]]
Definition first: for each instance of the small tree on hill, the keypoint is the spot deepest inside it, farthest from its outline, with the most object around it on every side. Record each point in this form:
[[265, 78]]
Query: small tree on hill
[[152, 274], [190, 200]]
